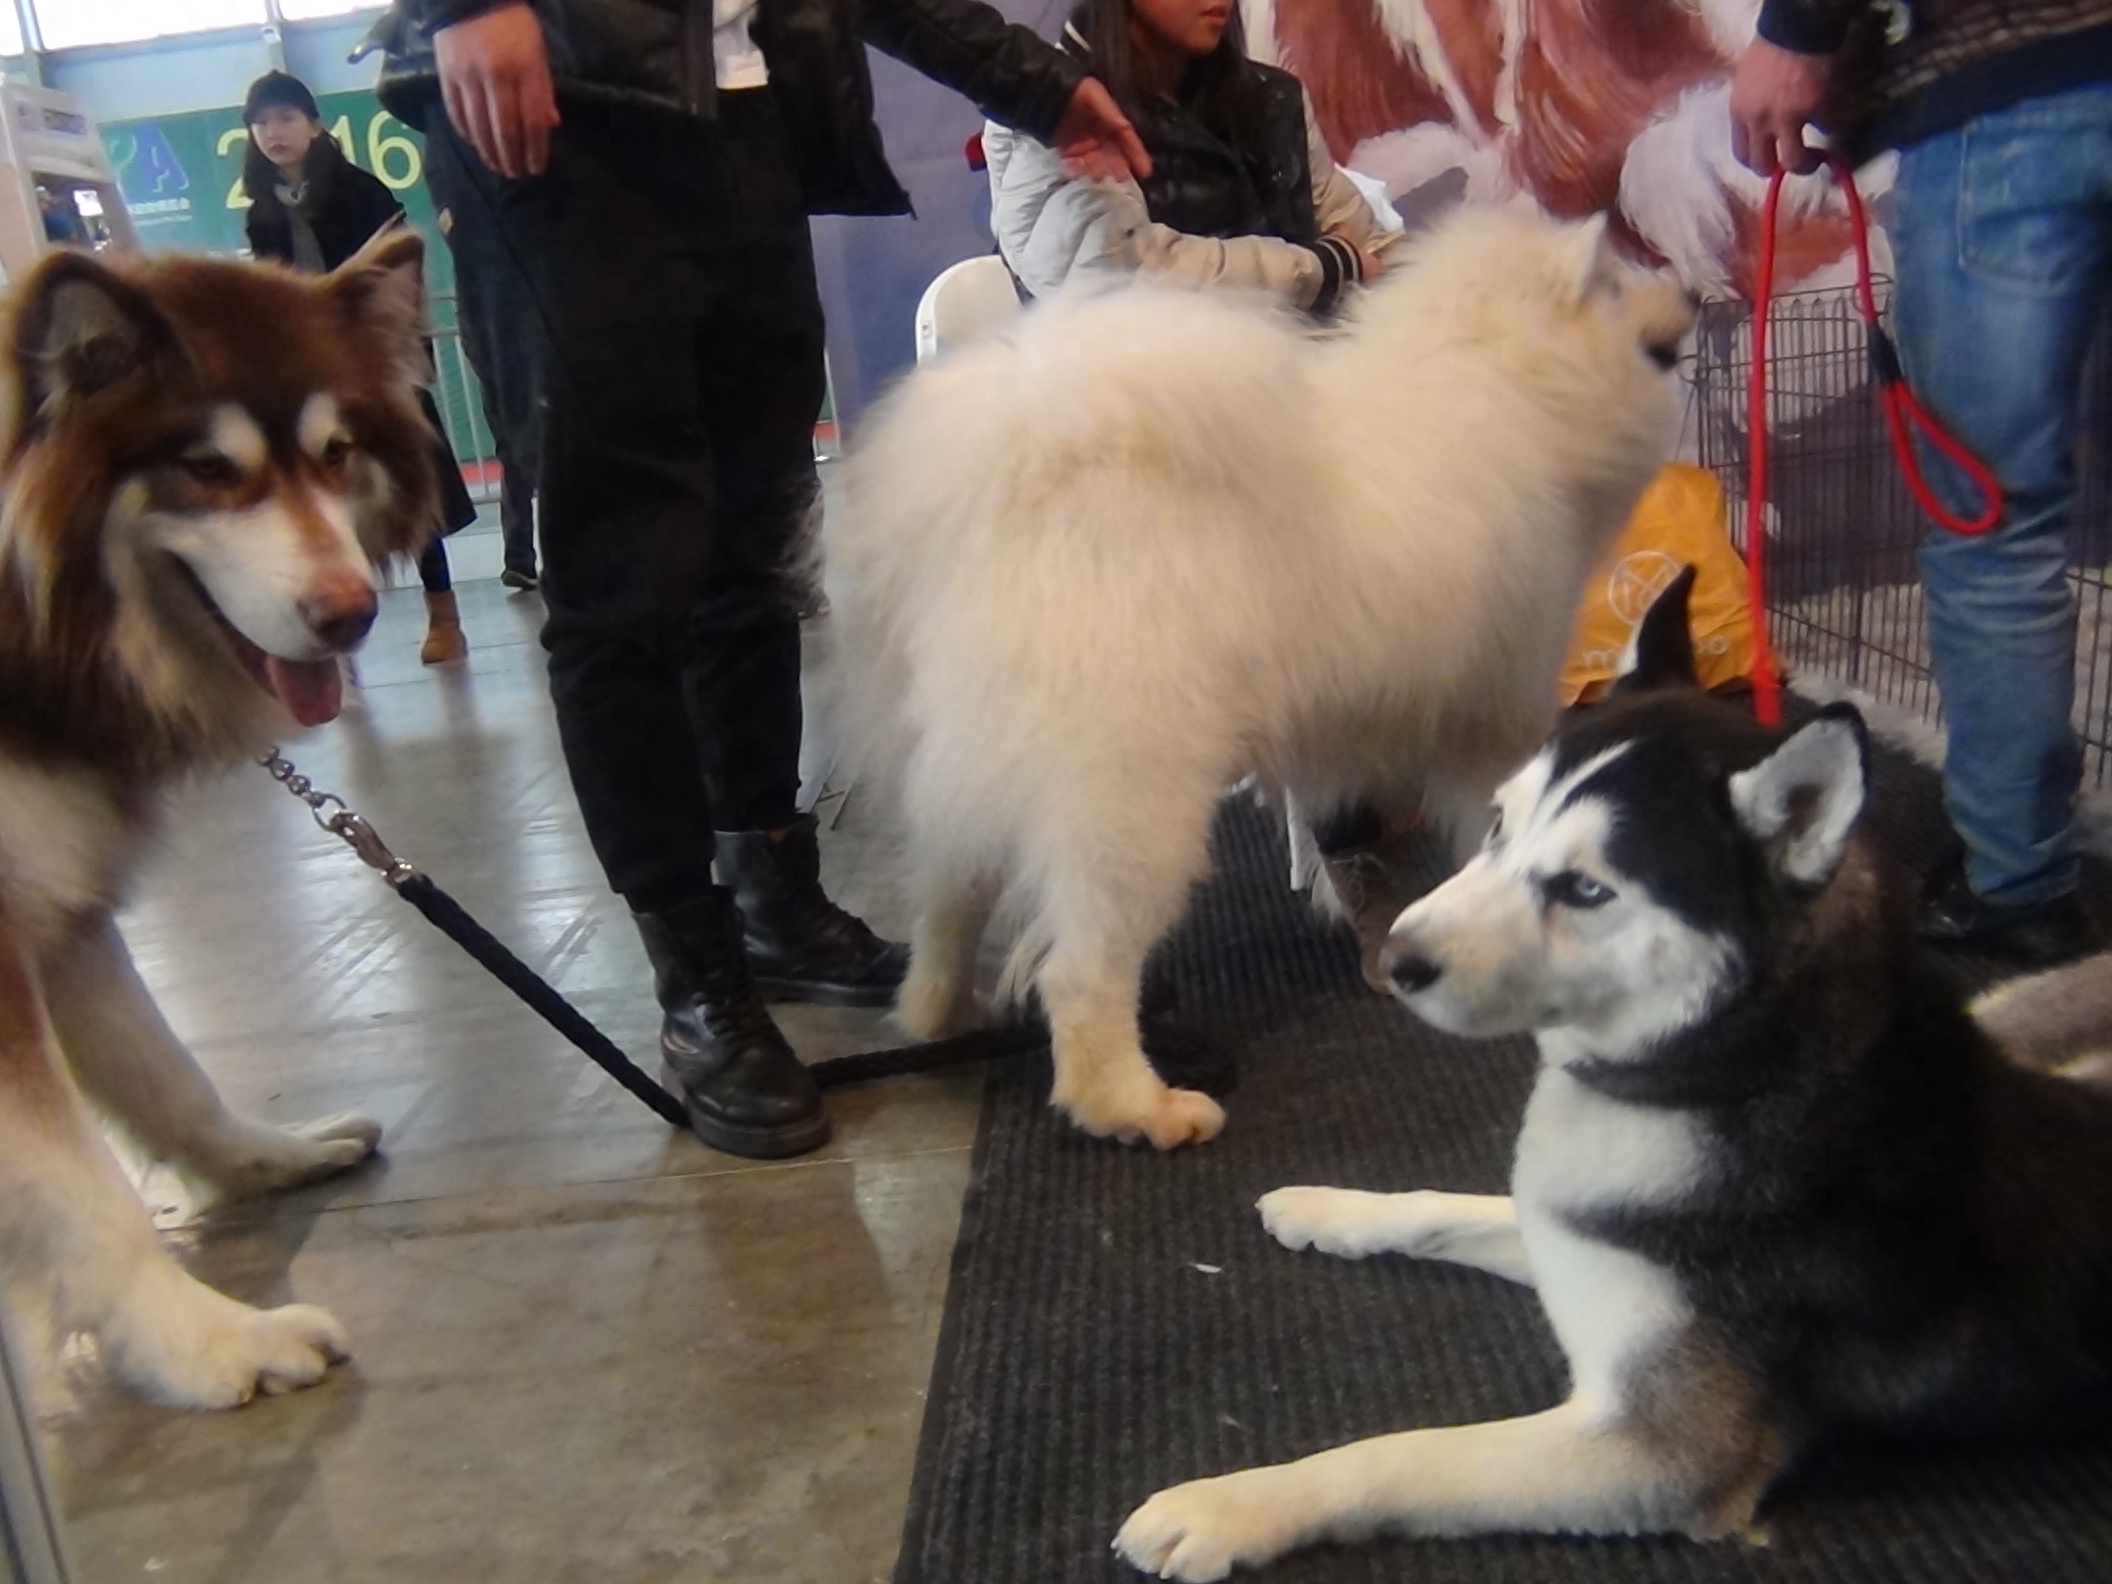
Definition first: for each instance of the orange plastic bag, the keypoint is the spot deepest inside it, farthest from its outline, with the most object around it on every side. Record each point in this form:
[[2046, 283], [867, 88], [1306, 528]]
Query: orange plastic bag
[[1678, 522]]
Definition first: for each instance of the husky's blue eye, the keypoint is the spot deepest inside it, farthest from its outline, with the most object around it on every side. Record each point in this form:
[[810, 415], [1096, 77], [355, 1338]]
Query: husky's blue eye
[[1575, 890]]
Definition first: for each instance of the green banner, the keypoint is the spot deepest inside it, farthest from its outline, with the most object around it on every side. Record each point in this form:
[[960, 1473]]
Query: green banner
[[182, 174]]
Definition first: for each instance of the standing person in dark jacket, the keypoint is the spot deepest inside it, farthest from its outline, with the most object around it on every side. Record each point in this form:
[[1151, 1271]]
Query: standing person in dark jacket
[[642, 171], [2002, 254], [312, 208]]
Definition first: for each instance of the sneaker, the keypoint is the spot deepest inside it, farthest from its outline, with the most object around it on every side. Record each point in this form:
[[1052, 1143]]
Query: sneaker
[[523, 582]]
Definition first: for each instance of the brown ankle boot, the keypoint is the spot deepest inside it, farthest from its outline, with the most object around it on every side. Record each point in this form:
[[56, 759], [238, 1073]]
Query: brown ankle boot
[[443, 630]]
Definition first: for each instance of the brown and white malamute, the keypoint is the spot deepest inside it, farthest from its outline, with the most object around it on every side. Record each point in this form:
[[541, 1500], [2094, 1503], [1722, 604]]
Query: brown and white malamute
[[201, 465]]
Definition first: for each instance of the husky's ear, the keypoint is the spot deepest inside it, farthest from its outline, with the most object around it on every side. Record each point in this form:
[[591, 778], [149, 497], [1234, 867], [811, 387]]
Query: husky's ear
[[80, 328], [1584, 256], [1801, 800], [1660, 651], [381, 291]]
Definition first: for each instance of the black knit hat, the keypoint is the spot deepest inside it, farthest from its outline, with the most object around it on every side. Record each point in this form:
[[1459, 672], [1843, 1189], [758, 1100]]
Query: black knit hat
[[276, 88]]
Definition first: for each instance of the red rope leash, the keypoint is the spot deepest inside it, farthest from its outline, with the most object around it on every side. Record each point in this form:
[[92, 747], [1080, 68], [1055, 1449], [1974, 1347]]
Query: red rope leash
[[1903, 415]]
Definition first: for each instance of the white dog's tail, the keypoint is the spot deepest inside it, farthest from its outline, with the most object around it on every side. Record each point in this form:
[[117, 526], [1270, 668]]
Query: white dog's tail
[[2060, 1020]]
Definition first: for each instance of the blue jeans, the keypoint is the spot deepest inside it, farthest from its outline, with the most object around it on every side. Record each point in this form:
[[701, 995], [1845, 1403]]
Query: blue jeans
[[2002, 246]]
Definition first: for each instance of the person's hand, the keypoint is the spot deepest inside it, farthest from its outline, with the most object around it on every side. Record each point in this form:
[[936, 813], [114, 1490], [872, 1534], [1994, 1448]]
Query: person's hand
[[495, 78], [1369, 264], [1095, 137], [1774, 96]]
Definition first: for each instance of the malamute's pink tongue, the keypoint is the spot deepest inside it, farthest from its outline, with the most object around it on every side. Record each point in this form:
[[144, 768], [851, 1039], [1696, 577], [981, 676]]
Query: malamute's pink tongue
[[312, 690]]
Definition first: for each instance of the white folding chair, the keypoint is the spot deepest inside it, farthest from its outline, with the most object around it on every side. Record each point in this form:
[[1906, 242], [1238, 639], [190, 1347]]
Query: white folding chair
[[967, 299]]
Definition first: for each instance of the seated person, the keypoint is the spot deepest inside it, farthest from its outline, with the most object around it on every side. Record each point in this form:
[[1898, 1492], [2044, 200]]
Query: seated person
[[1242, 193]]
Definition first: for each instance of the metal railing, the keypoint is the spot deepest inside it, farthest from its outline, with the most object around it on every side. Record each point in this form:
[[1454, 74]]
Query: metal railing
[[1845, 597]]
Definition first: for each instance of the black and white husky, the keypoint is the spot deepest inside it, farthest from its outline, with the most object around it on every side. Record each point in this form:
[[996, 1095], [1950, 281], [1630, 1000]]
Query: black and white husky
[[1774, 1180]]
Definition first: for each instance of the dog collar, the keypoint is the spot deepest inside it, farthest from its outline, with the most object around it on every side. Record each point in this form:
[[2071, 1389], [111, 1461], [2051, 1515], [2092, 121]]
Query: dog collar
[[1688, 1079]]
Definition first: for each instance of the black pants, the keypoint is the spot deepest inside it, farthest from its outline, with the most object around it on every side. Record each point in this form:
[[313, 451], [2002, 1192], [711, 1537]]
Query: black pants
[[497, 321], [676, 339]]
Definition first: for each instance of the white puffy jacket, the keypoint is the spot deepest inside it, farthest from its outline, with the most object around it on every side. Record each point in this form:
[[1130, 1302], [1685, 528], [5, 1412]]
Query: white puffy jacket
[[1051, 225]]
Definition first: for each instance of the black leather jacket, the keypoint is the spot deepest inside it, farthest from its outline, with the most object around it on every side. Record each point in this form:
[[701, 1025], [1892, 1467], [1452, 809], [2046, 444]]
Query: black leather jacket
[[656, 54]]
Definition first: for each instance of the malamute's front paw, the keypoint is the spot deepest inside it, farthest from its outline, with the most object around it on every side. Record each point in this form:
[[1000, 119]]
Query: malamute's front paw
[[1342, 1221], [1204, 1529], [255, 1158], [198, 1349]]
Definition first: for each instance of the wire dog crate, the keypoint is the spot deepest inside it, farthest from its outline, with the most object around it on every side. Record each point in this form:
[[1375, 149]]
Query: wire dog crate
[[1844, 597]]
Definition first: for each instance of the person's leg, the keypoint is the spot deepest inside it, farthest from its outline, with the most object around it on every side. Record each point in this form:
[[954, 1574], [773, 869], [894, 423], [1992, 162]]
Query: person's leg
[[516, 508], [2003, 243], [494, 319], [629, 518], [627, 476], [434, 574], [762, 383], [444, 641]]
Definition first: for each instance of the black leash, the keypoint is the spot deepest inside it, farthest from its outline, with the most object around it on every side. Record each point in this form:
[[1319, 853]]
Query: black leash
[[448, 916]]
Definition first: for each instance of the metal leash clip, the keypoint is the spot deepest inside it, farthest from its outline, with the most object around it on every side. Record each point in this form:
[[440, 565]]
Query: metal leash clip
[[350, 828]]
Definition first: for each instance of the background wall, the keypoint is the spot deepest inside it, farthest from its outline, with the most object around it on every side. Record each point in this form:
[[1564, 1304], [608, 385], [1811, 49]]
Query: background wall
[[873, 271], [202, 71]]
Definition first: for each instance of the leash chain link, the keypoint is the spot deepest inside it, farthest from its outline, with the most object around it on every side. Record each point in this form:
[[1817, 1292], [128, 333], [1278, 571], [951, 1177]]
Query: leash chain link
[[349, 827]]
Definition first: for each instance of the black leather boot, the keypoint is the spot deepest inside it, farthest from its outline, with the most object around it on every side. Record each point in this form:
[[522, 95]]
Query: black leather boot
[[2032, 935], [748, 1093], [802, 946]]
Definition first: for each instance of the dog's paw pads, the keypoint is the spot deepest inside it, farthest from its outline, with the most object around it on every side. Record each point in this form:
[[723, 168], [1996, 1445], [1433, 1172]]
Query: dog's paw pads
[[1301, 1218], [1184, 1116], [239, 1353], [932, 1009], [340, 1141], [1161, 1117], [1183, 1533], [258, 1158]]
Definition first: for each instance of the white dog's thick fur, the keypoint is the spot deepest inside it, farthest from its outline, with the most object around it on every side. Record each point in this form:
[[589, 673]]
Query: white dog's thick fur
[[1101, 568]]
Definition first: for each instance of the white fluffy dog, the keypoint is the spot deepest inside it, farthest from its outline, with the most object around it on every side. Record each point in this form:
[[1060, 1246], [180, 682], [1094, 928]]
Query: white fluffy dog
[[1098, 569]]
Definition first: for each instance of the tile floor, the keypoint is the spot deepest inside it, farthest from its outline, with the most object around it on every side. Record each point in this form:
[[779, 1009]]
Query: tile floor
[[585, 1349]]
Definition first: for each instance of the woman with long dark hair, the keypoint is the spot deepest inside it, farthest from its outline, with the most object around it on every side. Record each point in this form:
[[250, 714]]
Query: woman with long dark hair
[[311, 207], [1242, 191]]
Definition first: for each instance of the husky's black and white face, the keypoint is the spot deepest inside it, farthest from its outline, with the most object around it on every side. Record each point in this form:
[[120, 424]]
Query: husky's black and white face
[[1632, 873]]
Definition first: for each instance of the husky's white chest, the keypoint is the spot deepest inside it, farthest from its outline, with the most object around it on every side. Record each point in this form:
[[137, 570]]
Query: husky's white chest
[[1580, 1153], [65, 845]]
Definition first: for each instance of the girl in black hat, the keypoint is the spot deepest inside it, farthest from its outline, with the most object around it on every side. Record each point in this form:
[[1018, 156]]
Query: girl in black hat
[[312, 208]]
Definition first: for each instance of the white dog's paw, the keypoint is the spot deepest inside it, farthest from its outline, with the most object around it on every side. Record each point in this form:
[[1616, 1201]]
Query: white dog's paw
[[1344, 1221], [254, 1158], [1151, 1113], [200, 1349], [1204, 1529], [935, 1007]]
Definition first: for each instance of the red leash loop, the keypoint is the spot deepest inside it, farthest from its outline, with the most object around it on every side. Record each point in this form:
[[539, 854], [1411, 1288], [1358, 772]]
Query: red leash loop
[[1902, 415]]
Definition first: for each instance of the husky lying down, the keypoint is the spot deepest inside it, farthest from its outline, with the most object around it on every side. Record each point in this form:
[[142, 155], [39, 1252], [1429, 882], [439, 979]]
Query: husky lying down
[[1773, 1180], [1100, 568]]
